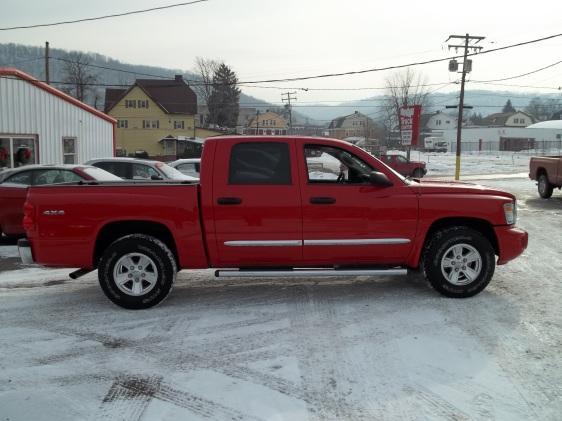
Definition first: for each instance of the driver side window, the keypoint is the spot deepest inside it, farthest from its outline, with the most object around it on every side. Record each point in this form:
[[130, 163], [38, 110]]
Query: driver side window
[[326, 164]]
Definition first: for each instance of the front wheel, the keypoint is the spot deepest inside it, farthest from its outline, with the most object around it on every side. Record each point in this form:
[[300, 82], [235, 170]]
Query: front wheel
[[544, 187], [137, 271], [459, 262]]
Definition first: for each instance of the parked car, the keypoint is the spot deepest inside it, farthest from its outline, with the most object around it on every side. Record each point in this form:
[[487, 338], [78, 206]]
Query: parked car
[[547, 170], [415, 169], [14, 184], [187, 166], [262, 211], [139, 169]]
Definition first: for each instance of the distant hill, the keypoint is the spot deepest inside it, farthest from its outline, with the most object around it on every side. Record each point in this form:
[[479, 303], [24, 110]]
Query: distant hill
[[31, 60]]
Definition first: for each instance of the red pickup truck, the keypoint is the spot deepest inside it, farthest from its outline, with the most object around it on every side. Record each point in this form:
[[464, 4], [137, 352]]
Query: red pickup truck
[[547, 170], [407, 168], [283, 206]]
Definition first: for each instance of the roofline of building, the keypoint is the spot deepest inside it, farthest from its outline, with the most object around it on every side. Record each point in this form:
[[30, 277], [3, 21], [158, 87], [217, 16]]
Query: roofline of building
[[11, 71]]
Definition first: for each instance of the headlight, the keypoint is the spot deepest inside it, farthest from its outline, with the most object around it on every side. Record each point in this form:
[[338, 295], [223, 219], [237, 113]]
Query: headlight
[[510, 211]]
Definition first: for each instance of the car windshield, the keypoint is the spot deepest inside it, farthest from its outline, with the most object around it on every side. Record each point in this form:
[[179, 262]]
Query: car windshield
[[100, 175], [174, 174]]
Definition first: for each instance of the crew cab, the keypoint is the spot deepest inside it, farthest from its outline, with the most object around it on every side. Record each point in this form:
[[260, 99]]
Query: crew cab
[[404, 166], [283, 206], [547, 170]]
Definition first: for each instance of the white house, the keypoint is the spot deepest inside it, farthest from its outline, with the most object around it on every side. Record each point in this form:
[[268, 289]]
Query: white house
[[441, 121], [40, 124]]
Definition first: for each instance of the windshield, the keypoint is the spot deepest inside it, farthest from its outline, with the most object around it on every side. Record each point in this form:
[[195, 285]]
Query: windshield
[[174, 174], [100, 175]]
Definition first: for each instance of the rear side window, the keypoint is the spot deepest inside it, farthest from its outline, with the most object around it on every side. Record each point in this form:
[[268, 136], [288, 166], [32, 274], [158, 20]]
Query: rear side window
[[260, 163], [20, 178], [55, 176]]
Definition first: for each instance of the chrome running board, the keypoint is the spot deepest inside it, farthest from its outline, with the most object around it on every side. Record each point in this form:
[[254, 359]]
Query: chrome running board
[[297, 273]]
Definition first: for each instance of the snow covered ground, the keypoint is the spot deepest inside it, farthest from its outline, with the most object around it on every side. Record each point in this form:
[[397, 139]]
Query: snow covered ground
[[299, 349], [472, 163]]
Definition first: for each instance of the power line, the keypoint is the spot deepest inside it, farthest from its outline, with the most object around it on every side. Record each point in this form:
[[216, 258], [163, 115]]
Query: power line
[[518, 76], [333, 74], [379, 69], [134, 12], [22, 61], [113, 68]]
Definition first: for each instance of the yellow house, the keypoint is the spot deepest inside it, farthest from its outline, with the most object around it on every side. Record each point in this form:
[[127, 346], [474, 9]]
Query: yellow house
[[268, 123], [155, 118]]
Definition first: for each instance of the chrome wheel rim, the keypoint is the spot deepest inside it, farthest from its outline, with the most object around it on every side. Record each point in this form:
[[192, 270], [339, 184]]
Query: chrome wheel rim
[[461, 264], [135, 274]]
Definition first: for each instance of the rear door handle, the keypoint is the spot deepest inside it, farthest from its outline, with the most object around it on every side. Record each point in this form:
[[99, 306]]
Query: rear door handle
[[229, 200], [322, 200]]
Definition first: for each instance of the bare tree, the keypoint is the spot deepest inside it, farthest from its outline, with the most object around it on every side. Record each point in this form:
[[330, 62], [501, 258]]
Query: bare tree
[[78, 78], [403, 89], [205, 69]]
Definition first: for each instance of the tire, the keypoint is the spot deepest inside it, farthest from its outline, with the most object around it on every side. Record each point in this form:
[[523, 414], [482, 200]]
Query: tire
[[458, 277], [418, 173], [544, 186], [137, 271]]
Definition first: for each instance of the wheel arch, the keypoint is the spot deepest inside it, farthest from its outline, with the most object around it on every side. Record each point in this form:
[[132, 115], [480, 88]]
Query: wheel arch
[[481, 225], [117, 229], [540, 171]]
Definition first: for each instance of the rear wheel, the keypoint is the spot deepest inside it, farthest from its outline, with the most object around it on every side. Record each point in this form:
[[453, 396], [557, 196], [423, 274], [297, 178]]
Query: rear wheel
[[137, 271], [544, 187], [459, 262]]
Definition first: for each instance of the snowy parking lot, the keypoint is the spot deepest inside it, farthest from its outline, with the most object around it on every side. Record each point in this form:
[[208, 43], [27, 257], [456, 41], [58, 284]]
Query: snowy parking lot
[[300, 349]]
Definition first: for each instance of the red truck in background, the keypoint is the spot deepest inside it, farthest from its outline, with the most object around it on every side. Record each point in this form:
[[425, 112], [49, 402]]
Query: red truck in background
[[547, 170], [401, 164], [283, 206]]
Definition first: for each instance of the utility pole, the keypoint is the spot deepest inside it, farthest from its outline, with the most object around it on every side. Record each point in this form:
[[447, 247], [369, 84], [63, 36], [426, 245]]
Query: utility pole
[[466, 68], [289, 97], [257, 121], [47, 62]]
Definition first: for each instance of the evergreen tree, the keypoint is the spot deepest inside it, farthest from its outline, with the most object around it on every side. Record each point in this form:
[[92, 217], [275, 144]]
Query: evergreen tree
[[224, 101], [508, 108]]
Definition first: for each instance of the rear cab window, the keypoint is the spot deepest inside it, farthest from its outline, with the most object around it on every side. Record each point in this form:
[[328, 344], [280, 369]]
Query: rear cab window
[[260, 163]]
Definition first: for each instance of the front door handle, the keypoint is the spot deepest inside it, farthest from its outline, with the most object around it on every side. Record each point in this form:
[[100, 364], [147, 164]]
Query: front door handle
[[322, 200], [229, 200]]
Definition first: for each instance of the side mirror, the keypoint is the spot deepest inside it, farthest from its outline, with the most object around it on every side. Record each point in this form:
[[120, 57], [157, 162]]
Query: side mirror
[[379, 179]]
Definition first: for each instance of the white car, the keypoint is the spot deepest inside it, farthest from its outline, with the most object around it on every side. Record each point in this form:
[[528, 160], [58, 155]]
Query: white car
[[189, 166], [140, 169]]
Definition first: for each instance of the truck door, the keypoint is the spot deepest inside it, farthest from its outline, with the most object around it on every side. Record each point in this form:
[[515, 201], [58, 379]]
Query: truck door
[[346, 219], [257, 204]]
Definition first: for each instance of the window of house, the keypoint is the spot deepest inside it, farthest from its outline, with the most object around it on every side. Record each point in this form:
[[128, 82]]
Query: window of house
[[326, 164], [69, 154], [260, 163], [516, 120], [448, 122], [122, 124], [130, 103], [150, 124], [179, 124], [142, 103], [522, 120], [437, 122]]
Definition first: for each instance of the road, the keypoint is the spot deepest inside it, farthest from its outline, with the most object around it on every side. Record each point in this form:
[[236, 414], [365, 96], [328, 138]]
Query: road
[[299, 349]]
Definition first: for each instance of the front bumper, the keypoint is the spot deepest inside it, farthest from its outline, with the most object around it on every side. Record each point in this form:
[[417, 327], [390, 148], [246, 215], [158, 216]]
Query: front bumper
[[511, 242], [24, 249]]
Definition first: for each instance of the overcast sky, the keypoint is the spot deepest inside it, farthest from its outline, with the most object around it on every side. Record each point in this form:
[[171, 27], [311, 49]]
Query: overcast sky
[[270, 39]]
